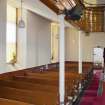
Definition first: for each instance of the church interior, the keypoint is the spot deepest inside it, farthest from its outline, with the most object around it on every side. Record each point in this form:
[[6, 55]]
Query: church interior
[[52, 52]]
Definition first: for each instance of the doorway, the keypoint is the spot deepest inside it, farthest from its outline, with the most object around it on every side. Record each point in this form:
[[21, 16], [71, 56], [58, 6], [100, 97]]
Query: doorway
[[98, 57]]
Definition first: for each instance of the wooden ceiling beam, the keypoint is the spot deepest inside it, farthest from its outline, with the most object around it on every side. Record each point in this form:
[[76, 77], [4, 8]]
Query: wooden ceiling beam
[[91, 21], [49, 4]]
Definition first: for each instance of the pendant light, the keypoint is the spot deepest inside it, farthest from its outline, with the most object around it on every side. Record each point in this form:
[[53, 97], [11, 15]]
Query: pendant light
[[21, 21]]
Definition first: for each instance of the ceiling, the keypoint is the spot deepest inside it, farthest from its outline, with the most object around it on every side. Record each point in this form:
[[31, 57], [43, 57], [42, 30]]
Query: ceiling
[[39, 8], [95, 1], [35, 6], [92, 19]]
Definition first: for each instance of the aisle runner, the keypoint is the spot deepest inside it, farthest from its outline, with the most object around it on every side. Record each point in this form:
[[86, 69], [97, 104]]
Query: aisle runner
[[94, 94]]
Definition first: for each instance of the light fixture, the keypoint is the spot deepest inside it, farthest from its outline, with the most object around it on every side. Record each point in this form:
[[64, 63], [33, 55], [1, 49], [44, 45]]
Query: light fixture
[[21, 21], [71, 8]]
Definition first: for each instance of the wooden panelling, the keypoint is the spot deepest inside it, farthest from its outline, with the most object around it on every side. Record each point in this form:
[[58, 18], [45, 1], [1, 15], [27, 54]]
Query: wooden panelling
[[50, 5], [91, 21]]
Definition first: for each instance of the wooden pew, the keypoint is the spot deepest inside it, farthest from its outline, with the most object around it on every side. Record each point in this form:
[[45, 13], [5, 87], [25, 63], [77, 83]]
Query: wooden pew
[[50, 72], [69, 87], [52, 75], [35, 80], [31, 83], [35, 86], [43, 81], [33, 97], [32, 87], [28, 86], [55, 76], [11, 102]]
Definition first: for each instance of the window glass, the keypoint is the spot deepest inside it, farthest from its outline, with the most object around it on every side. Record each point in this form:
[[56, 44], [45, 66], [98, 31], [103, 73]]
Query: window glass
[[11, 35]]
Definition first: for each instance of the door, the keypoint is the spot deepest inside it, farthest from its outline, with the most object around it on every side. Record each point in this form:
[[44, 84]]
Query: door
[[98, 57]]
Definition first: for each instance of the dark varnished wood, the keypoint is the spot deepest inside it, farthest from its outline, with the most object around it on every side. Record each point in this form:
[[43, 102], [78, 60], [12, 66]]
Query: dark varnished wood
[[11, 102], [50, 5], [91, 21], [32, 97], [37, 87]]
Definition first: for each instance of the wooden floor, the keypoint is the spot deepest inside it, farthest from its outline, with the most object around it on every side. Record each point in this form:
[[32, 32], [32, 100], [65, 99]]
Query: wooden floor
[[37, 87]]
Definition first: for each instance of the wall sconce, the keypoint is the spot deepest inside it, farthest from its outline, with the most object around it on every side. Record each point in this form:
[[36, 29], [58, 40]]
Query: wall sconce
[[21, 21]]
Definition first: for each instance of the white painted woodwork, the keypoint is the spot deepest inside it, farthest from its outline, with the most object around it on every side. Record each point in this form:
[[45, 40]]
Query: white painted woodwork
[[80, 52], [62, 59]]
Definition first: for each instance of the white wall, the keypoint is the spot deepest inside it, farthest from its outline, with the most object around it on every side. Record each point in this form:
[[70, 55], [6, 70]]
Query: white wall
[[88, 43], [37, 7], [38, 40], [4, 67], [33, 42], [54, 42], [71, 44], [21, 42], [3, 11]]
